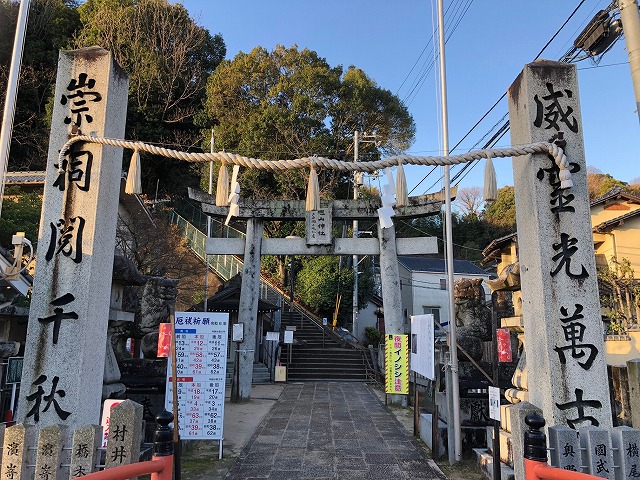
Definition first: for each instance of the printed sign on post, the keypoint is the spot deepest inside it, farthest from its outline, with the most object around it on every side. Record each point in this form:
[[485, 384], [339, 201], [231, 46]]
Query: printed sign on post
[[494, 403], [422, 345], [397, 364], [106, 419], [238, 332], [164, 340], [14, 370], [288, 336], [201, 363], [273, 336]]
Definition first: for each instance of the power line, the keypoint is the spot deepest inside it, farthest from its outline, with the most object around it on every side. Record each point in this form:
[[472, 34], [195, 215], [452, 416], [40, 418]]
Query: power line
[[505, 127]]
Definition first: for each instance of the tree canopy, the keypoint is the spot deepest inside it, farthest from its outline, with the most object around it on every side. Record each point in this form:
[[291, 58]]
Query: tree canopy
[[52, 23], [168, 58], [290, 103]]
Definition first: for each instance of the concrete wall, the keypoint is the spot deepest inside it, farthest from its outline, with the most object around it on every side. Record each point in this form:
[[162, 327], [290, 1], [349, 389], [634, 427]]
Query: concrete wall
[[620, 348], [366, 318]]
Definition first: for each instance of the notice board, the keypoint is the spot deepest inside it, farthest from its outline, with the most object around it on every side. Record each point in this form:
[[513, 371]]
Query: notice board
[[201, 364]]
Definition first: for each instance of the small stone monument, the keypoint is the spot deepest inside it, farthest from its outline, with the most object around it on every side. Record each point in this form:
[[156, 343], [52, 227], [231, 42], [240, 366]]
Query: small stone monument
[[597, 454], [626, 454], [15, 453], [125, 431], [49, 459], [564, 445], [84, 450]]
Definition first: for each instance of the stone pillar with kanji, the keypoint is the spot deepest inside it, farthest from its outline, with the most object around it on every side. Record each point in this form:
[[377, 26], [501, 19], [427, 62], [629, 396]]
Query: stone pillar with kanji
[[67, 332], [561, 308]]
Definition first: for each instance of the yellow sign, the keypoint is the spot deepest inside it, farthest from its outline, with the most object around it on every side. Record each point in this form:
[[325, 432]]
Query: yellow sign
[[397, 364]]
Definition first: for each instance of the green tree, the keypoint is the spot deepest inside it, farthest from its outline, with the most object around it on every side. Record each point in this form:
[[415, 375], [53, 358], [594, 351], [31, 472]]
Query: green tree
[[599, 183], [168, 58], [502, 212], [290, 103], [321, 280], [20, 213], [51, 24]]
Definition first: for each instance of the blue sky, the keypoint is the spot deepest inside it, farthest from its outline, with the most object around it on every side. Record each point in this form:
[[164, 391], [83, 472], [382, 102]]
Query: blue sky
[[487, 48]]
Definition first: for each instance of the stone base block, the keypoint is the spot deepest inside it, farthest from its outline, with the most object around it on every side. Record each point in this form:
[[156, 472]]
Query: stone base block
[[485, 461], [506, 447], [426, 430]]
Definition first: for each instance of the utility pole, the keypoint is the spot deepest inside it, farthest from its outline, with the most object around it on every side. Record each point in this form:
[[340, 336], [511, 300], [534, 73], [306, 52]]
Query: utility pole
[[453, 337], [12, 92], [631, 27], [206, 257], [357, 183]]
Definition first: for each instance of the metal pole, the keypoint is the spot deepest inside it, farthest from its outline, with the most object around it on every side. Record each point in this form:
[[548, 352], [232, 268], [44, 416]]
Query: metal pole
[[12, 92], [631, 27], [455, 393], [206, 257], [357, 178], [496, 383]]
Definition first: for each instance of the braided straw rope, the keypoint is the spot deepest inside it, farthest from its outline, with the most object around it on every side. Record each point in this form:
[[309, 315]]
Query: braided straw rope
[[321, 162]]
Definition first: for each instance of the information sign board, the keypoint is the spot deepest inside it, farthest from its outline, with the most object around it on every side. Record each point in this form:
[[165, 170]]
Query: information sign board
[[494, 403], [14, 370], [422, 339], [201, 363], [397, 364]]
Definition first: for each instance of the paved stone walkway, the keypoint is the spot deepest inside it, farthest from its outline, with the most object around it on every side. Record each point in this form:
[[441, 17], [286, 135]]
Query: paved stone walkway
[[331, 430]]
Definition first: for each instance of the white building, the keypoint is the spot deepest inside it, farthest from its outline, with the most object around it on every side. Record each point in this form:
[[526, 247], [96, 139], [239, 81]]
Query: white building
[[424, 289]]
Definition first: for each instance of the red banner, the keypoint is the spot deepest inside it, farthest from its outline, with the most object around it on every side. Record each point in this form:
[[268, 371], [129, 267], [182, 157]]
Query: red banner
[[164, 340], [503, 340]]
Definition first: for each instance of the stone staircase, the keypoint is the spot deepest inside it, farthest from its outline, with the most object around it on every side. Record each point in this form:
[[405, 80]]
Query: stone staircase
[[317, 356], [261, 374]]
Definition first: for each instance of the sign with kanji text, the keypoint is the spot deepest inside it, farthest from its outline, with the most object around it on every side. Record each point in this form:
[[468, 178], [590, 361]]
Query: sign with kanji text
[[494, 403], [201, 364], [14, 370], [397, 364]]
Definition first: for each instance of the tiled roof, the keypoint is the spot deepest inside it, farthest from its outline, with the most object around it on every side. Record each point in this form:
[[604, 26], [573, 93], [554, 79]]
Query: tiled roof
[[615, 221], [20, 178], [615, 192], [498, 243], [437, 265]]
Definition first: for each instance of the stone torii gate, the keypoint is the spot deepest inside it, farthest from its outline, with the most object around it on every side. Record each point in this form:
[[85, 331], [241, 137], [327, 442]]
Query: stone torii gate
[[318, 241]]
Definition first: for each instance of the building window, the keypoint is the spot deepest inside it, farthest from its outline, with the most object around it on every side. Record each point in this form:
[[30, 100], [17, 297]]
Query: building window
[[443, 284], [435, 311]]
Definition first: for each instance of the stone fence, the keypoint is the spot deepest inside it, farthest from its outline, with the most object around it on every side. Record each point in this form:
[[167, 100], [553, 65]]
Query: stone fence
[[56, 453]]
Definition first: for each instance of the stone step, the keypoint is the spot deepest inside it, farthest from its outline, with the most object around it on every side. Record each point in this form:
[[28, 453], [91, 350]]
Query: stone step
[[320, 376], [485, 461]]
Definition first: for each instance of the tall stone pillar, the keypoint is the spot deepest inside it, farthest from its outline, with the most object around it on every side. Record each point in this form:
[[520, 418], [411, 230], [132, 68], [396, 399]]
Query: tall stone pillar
[[64, 353], [391, 296], [561, 308], [248, 308]]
